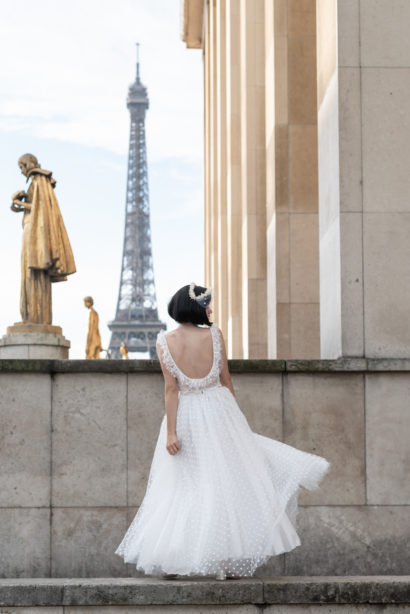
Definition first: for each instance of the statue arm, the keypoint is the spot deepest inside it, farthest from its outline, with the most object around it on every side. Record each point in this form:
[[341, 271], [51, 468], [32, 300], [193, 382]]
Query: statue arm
[[17, 204]]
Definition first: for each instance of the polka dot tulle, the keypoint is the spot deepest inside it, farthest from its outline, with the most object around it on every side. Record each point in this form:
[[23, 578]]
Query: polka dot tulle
[[228, 499]]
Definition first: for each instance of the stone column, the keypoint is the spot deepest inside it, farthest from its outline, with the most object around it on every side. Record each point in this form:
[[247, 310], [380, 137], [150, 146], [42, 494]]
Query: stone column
[[211, 134], [364, 148], [302, 210], [254, 315], [329, 194], [270, 142], [212, 137], [207, 154], [222, 259], [291, 179], [234, 197]]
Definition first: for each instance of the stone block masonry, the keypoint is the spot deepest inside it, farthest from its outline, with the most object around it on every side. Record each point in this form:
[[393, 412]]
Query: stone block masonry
[[375, 594], [77, 439]]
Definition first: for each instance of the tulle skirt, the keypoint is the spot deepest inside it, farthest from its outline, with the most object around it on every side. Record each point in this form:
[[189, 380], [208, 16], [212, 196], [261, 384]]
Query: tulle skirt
[[227, 500]]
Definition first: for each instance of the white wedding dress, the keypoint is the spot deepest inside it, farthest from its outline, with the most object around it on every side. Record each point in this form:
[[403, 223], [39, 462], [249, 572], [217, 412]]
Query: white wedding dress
[[228, 499]]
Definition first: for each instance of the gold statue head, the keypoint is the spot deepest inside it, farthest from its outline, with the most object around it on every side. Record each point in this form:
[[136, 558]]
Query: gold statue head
[[88, 302], [27, 162]]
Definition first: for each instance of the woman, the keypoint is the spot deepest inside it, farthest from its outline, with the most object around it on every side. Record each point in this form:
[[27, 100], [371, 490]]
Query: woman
[[220, 498]]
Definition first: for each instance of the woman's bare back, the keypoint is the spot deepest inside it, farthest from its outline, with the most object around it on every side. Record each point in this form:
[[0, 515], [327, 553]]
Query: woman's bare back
[[192, 349]]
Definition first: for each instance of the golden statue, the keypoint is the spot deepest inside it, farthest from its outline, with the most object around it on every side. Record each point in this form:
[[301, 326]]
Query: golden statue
[[46, 254], [124, 350], [93, 347]]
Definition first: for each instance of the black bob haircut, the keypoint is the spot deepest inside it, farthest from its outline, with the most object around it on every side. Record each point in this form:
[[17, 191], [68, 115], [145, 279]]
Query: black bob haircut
[[182, 308]]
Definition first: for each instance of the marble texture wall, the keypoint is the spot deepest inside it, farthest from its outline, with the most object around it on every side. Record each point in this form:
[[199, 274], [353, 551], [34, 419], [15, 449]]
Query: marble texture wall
[[76, 448]]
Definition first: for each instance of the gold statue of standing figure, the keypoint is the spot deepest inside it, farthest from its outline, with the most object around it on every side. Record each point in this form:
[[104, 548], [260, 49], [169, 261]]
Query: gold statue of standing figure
[[124, 350], [46, 254], [93, 347]]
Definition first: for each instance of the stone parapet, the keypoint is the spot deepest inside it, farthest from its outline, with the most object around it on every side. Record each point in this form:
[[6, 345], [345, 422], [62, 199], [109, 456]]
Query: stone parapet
[[348, 365], [77, 440]]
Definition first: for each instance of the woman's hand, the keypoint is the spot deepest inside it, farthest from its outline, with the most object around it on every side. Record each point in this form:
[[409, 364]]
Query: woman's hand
[[173, 445]]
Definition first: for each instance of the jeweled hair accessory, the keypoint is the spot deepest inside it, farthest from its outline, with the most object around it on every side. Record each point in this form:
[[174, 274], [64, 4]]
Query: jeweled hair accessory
[[204, 298]]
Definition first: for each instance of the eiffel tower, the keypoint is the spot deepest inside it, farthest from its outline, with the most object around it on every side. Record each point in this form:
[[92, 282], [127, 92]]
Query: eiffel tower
[[136, 320]]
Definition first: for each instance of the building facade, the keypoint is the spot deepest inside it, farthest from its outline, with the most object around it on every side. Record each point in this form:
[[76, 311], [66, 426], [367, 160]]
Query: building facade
[[307, 134]]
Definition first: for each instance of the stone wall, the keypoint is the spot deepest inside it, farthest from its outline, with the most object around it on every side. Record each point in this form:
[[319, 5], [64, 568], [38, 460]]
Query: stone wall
[[77, 438]]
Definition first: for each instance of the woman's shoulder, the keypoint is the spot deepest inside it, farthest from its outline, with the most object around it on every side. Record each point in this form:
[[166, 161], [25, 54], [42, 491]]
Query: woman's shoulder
[[176, 333]]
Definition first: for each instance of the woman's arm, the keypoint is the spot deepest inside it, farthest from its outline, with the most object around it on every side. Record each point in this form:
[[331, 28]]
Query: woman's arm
[[224, 375], [171, 405]]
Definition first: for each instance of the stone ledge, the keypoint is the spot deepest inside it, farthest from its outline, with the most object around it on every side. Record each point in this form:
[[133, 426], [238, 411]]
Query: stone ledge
[[80, 366], [341, 365], [152, 591]]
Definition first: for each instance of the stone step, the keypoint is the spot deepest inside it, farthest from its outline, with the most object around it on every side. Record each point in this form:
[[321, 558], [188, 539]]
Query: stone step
[[202, 594]]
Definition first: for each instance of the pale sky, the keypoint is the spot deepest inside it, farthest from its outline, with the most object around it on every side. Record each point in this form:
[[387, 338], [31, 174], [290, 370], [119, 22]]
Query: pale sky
[[64, 77]]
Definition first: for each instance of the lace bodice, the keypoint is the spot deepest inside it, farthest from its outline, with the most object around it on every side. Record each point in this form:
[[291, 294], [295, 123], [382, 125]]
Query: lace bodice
[[189, 384]]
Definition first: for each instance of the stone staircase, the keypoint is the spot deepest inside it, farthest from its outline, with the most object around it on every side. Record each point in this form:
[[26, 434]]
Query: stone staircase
[[205, 595]]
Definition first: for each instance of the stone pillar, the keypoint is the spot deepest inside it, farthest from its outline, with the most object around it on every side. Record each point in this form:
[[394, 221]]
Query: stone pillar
[[291, 179], [364, 148], [235, 172], [329, 195], [212, 138], [261, 201], [221, 161], [234, 196], [254, 300], [302, 190], [207, 153], [271, 41]]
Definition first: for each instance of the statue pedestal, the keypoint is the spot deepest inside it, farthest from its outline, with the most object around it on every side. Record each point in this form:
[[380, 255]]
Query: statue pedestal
[[25, 340]]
